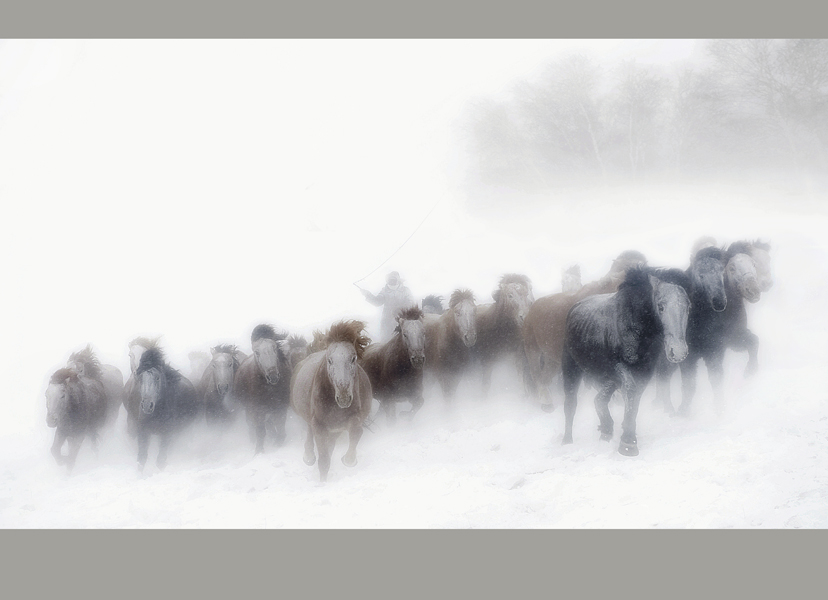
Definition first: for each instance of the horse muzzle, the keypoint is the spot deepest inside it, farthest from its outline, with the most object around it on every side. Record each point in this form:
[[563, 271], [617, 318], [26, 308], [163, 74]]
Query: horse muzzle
[[469, 339], [51, 421], [147, 407], [272, 378], [676, 352], [344, 399], [417, 361], [719, 304]]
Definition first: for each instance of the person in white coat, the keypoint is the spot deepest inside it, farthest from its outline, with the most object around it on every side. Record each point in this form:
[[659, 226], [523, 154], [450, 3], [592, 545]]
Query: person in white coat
[[393, 297]]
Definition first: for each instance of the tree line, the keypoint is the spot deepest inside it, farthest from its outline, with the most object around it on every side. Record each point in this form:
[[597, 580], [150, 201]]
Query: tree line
[[750, 105]]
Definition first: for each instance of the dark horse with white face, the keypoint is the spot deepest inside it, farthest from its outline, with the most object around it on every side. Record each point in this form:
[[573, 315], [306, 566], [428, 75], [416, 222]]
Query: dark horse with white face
[[716, 324], [263, 383], [332, 393], [449, 339], [216, 388], [615, 339], [499, 325], [395, 368], [76, 408], [131, 396], [168, 403]]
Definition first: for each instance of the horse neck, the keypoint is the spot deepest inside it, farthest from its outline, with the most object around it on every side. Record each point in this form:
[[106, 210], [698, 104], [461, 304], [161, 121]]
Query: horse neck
[[638, 311], [394, 349]]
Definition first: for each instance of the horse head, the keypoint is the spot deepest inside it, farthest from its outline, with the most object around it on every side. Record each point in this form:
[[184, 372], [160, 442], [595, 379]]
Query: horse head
[[514, 296], [269, 353], [223, 366], [760, 253], [151, 376], [464, 312], [672, 307], [741, 274], [345, 344], [571, 279], [297, 350], [411, 328], [707, 277], [62, 390]]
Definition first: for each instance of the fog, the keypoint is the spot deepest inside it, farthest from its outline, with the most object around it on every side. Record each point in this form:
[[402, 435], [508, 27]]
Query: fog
[[195, 189]]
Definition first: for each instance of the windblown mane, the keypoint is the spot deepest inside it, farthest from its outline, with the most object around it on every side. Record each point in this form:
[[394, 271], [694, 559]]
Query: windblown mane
[[412, 313], [225, 349], [671, 275], [261, 332], [145, 342], [154, 358], [457, 296], [632, 255], [61, 375], [297, 341], [635, 276], [351, 332], [516, 278], [91, 364], [710, 252], [318, 343], [745, 247]]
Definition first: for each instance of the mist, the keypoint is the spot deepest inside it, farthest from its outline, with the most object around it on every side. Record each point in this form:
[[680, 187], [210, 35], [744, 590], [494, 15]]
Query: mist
[[195, 189]]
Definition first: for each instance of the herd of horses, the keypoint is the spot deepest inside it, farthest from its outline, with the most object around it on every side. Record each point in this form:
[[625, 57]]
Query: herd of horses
[[615, 333]]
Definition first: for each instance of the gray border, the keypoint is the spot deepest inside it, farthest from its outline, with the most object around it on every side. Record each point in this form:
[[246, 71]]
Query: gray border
[[393, 563]]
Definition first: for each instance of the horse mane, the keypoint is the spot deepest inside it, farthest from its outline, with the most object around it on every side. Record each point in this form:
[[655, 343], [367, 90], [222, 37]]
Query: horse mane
[[154, 358], [516, 278], [457, 296], [745, 247], [318, 343], [710, 252], [61, 375], [412, 313], [573, 270], [91, 364], [263, 331], [632, 255], [433, 300], [671, 275], [144, 342], [225, 349], [635, 277], [761, 245], [297, 341], [351, 332]]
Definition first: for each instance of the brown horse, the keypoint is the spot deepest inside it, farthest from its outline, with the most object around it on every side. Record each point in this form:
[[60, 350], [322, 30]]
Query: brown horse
[[297, 350], [332, 393], [395, 368], [76, 408], [132, 395], [499, 325], [88, 366], [449, 339], [544, 328], [263, 384]]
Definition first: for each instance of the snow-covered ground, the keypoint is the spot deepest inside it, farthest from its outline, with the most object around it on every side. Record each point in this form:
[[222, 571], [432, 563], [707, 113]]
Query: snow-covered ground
[[499, 462]]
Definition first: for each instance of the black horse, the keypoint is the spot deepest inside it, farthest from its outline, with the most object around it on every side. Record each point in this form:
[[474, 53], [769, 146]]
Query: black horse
[[708, 299], [711, 332], [168, 402], [615, 339]]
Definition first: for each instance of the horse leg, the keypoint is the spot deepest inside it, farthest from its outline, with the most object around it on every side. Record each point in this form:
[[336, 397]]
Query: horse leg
[[258, 427], [688, 367], [747, 340], [602, 407], [74, 447], [325, 442], [715, 370], [279, 420], [664, 374], [143, 448], [417, 402], [309, 456], [354, 433], [632, 397], [390, 409], [57, 444], [488, 367], [163, 449], [449, 382], [571, 379]]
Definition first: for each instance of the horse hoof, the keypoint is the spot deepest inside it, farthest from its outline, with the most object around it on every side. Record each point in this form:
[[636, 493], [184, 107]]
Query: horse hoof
[[309, 460], [628, 449], [606, 437], [547, 408], [347, 463], [407, 415], [566, 441]]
